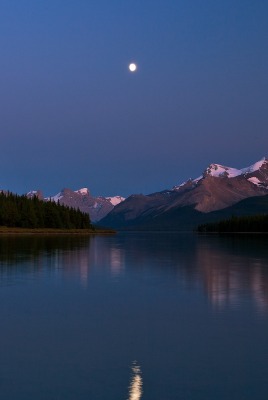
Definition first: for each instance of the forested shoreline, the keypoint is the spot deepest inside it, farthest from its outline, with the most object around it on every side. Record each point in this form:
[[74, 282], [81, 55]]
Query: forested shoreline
[[22, 212], [251, 223]]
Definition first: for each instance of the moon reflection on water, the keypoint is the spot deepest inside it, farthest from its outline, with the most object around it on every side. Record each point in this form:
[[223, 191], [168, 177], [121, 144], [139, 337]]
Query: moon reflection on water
[[135, 388]]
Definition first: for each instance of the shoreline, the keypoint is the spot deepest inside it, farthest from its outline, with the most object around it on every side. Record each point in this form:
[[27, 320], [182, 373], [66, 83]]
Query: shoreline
[[233, 233], [51, 231]]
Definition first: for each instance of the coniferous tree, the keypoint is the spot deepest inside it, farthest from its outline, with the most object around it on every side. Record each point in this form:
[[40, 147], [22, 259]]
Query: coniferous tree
[[252, 223], [19, 211]]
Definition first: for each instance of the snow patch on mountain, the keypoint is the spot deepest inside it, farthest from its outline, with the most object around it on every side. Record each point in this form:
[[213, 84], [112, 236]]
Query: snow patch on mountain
[[83, 191], [220, 171], [189, 182], [217, 170], [31, 194], [115, 200], [255, 180], [35, 193], [255, 167], [55, 198]]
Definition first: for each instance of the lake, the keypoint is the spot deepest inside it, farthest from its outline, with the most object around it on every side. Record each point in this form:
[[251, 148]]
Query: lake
[[134, 316]]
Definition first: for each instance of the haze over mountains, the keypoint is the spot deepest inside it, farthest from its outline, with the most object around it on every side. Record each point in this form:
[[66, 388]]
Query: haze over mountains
[[195, 201]]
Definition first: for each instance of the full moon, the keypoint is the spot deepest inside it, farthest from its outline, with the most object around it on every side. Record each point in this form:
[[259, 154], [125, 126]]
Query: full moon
[[132, 67]]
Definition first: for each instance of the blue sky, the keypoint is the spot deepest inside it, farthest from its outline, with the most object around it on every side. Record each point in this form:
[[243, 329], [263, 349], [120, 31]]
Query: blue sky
[[72, 115]]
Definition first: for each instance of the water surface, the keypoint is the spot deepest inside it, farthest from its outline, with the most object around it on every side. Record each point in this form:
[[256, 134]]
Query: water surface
[[134, 316]]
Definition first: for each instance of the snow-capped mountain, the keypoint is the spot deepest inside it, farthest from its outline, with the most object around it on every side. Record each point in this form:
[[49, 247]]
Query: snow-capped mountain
[[220, 186], [256, 173], [35, 193], [115, 200], [217, 188], [96, 207], [220, 171]]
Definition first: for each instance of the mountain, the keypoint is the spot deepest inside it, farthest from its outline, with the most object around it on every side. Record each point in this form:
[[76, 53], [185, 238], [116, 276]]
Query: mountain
[[35, 193], [192, 202], [96, 207]]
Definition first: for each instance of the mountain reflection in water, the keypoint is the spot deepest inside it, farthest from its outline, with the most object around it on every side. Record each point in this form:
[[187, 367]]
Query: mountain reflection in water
[[232, 272], [228, 269], [135, 388], [191, 309], [21, 256]]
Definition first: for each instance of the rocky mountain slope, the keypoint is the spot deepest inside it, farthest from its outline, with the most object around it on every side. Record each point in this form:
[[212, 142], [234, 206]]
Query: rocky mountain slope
[[219, 187], [96, 207]]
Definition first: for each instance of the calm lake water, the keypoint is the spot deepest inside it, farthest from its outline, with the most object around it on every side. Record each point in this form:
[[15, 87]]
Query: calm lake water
[[151, 316]]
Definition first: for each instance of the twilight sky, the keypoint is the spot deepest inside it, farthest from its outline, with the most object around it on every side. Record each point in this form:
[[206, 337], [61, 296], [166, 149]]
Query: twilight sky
[[72, 115]]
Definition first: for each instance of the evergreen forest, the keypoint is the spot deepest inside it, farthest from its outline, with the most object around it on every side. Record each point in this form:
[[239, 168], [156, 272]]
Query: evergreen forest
[[252, 223], [20, 211]]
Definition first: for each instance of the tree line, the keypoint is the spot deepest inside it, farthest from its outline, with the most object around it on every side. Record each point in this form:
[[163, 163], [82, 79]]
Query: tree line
[[252, 223], [20, 211]]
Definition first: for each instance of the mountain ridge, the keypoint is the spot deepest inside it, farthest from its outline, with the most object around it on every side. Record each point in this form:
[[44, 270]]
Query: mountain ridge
[[97, 207], [217, 188]]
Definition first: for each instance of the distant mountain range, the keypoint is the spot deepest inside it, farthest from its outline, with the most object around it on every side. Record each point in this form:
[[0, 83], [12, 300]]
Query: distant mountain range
[[217, 193], [96, 207]]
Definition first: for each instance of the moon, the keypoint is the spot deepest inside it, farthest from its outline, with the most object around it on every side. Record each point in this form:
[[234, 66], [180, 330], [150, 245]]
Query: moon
[[132, 67]]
